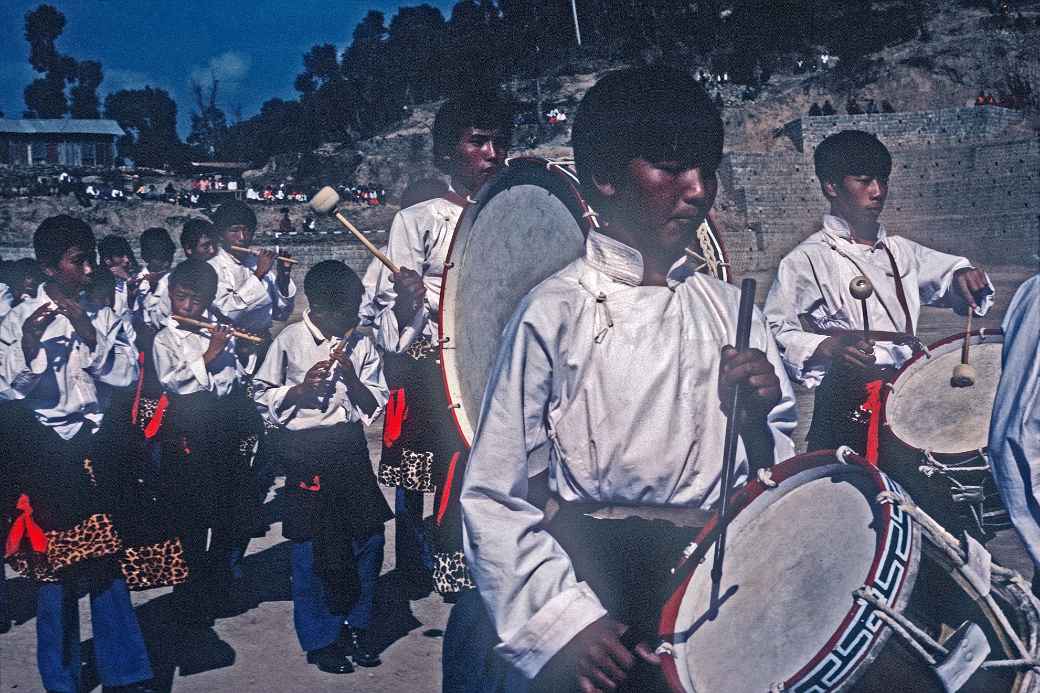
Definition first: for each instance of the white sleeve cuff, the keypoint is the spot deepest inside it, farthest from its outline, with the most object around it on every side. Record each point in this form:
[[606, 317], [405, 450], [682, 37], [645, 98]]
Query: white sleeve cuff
[[199, 370], [797, 354], [552, 627]]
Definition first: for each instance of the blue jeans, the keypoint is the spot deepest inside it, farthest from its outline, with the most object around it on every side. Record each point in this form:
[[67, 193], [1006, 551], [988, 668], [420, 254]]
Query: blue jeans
[[413, 547], [468, 662], [119, 649], [316, 625]]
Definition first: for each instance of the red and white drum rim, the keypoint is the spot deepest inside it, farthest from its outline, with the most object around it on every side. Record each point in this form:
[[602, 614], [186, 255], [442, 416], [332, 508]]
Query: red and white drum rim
[[853, 642]]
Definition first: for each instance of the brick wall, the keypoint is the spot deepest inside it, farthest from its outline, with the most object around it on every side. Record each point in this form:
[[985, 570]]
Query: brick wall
[[964, 180]]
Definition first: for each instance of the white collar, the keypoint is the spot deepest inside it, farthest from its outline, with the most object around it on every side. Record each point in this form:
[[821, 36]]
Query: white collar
[[837, 227], [316, 333], [623, 263]]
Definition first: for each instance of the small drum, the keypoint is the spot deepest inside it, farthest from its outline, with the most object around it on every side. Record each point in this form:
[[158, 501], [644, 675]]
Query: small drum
[[835, 581], [527, 223], [935, 433]]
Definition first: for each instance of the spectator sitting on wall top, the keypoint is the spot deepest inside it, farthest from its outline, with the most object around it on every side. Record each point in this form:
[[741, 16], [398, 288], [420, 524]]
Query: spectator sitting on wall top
[[980, 100], [871, 106], [814, 110], [828, 109], [886, 107], [852, 106]]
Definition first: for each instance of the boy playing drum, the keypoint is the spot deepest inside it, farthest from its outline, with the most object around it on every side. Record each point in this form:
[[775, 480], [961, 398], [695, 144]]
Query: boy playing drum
[[617, 363]]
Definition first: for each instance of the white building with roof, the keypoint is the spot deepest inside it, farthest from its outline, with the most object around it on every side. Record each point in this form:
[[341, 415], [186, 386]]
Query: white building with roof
[[61, 141]]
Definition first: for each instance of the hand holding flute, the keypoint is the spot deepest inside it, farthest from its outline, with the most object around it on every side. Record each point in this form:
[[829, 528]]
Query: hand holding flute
[[213, 328]]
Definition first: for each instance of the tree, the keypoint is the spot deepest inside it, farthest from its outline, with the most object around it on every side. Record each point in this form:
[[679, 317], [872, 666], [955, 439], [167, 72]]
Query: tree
[[414, 40], [149, 117], [208, 123], [45, 97], [43, 26], [85, 101], [321, 66]]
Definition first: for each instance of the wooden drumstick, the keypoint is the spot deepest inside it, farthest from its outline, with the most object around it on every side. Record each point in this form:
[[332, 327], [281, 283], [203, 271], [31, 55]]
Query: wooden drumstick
[[192, 322], [257, 251], [964, 373], [861, 289], [729, 458], [325, 202]]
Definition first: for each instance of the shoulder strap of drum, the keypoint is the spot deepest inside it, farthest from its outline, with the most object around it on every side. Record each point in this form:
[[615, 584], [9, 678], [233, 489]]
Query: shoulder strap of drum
[[452, 196], [900, 293]]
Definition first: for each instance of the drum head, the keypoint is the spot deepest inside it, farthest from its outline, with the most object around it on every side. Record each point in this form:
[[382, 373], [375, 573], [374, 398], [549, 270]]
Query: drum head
[[925, 411], [785, 607], [527, 223]]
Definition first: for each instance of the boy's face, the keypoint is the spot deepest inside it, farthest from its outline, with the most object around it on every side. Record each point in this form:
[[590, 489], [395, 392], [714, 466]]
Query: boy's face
[[240, 235], [664, 201], [120, 264], [159, 264], [858, 199], [478, 155], [188, 301], [75, 269], [334, 320], [204, 249]]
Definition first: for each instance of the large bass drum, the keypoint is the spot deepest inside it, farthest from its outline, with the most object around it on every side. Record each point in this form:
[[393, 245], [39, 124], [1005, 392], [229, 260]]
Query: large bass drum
[[834, 580], [527, 223]]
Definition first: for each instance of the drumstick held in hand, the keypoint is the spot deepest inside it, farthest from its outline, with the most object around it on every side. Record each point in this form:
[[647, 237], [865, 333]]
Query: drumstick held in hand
[[861, 289], [747, 305], [192, 322], [257, 251], [964, 373], [325, 202]]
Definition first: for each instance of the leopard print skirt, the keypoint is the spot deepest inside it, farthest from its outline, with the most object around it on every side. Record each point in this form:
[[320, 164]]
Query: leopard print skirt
[[414, 472], [155, 565], [450, 573]]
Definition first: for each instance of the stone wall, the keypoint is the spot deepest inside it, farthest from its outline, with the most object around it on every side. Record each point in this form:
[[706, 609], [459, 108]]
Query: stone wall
[[964, 180]]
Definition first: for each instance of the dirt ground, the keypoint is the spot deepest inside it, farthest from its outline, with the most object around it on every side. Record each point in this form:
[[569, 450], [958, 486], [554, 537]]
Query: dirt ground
[[258, 651]]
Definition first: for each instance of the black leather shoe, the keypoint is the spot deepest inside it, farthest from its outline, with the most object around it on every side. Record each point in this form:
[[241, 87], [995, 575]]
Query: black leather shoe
[[331, 659], [360, 648], [142, 687]]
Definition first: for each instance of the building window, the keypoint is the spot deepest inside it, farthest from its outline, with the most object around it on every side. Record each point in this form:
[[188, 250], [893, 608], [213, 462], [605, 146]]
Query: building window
[[38, 152]]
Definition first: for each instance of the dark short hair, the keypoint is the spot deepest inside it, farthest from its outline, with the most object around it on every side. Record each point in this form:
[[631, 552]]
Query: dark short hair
[[195, 274], [57, 234], [193, 230], [331, 284], [156, 243], [851, 153], [234, 213], [114, 246], [657, 113], [481, 107]]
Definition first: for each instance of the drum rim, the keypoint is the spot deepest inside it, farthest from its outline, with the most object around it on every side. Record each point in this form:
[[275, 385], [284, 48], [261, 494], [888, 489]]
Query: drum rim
[[465, 424], [741, 499], [982, 334]]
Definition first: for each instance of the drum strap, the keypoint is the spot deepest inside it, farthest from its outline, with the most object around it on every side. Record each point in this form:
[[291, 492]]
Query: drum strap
[[452, 196], [900, 293]]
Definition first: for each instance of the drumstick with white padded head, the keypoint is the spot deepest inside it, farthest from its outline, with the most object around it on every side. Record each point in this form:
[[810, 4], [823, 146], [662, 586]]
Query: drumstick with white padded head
[[964, 373], [861, 289], [325, 201]]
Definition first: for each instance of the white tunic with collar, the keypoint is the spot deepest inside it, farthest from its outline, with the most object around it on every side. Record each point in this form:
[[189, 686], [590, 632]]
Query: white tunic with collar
[[621, 381], [812, 284], [1014, 432], [419, 239], [62, 384], [177, 353], [251, 303], [294, 351]]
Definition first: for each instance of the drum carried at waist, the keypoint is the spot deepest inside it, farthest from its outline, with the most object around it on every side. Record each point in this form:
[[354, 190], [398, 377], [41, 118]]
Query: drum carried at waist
[[935, 432], [527, 223], [835, 581]]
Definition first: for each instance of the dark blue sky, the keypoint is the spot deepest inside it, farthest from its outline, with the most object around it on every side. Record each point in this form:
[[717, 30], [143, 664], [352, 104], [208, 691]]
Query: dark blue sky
[[254, 48]]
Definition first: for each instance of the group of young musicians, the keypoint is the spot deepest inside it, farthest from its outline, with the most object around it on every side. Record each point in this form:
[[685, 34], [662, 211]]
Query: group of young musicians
[[617, 366]]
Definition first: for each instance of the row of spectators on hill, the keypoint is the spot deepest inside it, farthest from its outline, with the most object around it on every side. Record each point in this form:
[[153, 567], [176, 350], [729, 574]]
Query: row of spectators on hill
[[1013, 101], [852, 107]]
